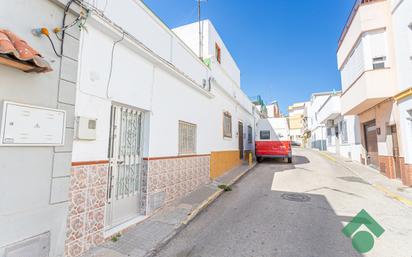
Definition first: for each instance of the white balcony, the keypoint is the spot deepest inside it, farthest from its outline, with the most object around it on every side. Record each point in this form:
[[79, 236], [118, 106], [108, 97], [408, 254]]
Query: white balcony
[[371, 88], [330, 110]]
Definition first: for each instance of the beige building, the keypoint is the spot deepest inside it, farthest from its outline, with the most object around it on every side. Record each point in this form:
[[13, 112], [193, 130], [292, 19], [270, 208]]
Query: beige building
[[369, 69], [295, 119]]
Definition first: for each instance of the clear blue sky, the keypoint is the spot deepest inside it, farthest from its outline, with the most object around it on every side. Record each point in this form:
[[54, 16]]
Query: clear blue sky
[[285, 49]]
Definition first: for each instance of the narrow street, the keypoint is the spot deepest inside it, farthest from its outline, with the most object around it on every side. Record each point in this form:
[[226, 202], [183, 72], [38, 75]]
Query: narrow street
[[260, 218]]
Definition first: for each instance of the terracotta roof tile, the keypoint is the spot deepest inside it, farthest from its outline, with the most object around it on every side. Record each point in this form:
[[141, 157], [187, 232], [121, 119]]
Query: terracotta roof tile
[[16, 48]]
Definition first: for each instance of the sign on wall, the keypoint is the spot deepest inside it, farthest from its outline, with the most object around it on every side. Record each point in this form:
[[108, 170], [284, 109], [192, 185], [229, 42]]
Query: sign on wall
[[27, 125]]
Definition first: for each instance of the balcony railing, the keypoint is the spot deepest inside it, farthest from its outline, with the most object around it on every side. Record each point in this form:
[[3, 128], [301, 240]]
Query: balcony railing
[[355, 8]]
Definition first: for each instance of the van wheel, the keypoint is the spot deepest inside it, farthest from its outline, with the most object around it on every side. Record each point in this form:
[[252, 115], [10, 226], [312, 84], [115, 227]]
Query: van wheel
[[289, 159], [259, 159]]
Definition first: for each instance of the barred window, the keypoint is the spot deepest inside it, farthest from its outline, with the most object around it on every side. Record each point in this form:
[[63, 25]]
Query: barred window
[[249, 134], [344, 132], [329, 135], [227, 125], [187, 138]]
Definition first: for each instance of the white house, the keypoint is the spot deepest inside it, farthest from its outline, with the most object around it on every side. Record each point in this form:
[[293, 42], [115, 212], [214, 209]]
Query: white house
[[402, 31], [342, 132], [315, 129], [152, 117], [145, 121]]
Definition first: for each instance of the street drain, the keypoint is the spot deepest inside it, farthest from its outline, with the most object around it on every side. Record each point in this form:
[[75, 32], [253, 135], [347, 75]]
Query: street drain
[[295, 197]]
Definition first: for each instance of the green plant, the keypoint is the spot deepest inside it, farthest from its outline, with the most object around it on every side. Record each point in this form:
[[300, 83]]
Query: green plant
[[115, 238], [225, 187]]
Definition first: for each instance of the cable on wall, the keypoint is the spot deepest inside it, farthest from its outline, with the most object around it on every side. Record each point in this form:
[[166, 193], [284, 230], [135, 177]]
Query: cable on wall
[[111, 64]]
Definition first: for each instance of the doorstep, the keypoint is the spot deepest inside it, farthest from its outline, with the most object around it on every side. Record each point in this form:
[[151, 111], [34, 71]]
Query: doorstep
[[149, 236]]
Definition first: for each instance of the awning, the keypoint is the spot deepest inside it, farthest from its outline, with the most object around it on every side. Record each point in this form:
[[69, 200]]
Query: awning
[[15, 52]]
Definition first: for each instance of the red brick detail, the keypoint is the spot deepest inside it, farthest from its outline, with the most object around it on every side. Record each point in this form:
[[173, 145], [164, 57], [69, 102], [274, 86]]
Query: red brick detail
[[406, 173], [386, 166]]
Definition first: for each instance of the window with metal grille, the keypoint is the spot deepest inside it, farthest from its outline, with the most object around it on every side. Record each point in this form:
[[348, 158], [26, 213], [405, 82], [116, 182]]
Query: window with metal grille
[[187, 138], [329, 135], [227, 125], [344, 132], [249, 134]]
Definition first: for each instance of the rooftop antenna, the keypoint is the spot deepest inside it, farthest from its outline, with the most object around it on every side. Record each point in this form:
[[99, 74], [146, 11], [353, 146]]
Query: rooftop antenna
[[200, 29]]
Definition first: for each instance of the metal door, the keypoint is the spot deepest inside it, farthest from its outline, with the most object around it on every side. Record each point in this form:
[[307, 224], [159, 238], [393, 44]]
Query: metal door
[[371, 141], [241, 148], [395, 146], [124, 190]]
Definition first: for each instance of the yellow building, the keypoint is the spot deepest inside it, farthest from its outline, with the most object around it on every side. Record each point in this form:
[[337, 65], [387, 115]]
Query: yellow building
[[295, 119]]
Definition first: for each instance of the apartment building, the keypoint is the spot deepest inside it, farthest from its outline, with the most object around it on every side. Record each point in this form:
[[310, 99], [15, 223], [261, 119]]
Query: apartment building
[[372, 64], [295, 120], [127, 119], [342, 133]]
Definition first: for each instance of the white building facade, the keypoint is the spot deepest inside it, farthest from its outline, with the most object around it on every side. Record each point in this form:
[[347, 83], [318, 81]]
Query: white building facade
[[342, 132], [315, 130], [402, 23], [147, 121]]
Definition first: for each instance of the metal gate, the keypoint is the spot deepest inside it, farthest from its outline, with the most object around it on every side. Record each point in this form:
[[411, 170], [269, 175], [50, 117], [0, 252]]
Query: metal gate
[[371, 140], [125, 144]]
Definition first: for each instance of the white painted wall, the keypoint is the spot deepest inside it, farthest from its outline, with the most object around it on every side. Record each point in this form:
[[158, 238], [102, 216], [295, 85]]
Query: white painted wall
[[402, 20], [371, 44], [166, 96], [29, 174]]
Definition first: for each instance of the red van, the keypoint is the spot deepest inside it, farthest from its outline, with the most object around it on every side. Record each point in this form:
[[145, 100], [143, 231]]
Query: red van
[[273, 140]]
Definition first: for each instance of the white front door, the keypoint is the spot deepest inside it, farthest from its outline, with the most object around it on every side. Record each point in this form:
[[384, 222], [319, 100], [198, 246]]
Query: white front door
[[124, 189]]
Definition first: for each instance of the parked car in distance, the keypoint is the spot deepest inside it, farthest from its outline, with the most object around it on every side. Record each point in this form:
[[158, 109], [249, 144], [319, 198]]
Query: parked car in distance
[[272, 139], [294, 143]]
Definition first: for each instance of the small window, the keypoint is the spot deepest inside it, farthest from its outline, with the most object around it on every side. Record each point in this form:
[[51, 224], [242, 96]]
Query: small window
[[227, 125], [218, 53], [249, 134], [187, 138], [265, 134], [379, 62]]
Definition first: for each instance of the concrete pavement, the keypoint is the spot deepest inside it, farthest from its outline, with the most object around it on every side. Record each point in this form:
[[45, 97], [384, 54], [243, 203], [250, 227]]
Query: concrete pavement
[[295, 210]]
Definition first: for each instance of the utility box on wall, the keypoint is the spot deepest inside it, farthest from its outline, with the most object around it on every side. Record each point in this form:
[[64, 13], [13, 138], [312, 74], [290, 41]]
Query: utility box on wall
[[86, 128], [28, 125]]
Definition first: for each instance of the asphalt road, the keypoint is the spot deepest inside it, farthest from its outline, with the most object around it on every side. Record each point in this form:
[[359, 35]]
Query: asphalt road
[[293, 210]]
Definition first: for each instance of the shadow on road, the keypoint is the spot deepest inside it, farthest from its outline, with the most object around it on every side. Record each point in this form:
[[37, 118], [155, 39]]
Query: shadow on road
[[297, 159]]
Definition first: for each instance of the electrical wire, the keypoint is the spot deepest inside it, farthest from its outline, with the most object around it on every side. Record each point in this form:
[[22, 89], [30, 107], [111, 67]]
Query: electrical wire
[[54, 48], [111, 64]]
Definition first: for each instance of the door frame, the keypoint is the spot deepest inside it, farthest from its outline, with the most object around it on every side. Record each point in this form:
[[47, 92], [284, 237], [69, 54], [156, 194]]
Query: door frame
[[113, 170], [395, 152], [365, 134], [241, 142]]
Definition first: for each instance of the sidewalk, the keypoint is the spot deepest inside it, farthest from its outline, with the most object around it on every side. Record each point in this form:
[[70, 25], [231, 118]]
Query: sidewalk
[[392, 188], [147, 237]]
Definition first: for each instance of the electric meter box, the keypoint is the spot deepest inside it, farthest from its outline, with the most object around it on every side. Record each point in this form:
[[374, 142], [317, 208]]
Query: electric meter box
[[28, 125], [86, 128]]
